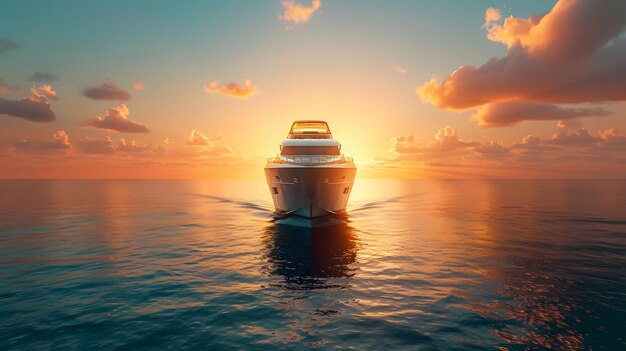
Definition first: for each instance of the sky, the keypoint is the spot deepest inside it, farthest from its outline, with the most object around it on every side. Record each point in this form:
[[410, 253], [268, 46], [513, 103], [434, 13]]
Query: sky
[[412, 89]]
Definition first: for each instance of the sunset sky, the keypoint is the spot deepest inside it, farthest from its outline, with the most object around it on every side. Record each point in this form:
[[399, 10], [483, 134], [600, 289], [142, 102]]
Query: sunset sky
[[412, 89]]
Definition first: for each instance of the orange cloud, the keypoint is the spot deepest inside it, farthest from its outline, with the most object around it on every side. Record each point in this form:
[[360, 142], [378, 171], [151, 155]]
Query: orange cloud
[[116, 119], [447, 148], [233, 90], [573, 135], [573, 54], [560, 35], [43, 92], [34, 109], [197, 138], [94, 157], [491, 150], [513, 29], [612, 140], [27, 109], [296, 13], [89, 145], [59, 142], [138, 86], [135, 147], [93, 146], [204, 150], [501, 114], [569, 143], [107, 91], [491, 15], [207, 146], [446, 141]]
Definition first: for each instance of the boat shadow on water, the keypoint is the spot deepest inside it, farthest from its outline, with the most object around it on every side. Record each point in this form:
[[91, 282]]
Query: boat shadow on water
[[311, 258]]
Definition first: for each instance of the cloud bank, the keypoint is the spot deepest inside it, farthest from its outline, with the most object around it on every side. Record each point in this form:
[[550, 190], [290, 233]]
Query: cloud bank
[[508, 113], [570, 55], [105, 146], [59, 142], [446, 141], [569, 142], [135, 147], [92, 146], [233, 90]]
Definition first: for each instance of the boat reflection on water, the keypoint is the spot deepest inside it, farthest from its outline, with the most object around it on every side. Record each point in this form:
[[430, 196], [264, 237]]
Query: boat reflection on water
[[311, 258]]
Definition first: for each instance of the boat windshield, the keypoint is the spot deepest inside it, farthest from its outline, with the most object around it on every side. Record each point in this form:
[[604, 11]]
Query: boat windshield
[[309, 127]]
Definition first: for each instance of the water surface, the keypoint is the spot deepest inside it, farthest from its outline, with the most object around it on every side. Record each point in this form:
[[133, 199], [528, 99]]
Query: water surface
[[426, 265]]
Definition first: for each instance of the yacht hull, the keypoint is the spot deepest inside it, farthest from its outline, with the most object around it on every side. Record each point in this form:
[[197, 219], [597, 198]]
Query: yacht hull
[[310, 191]]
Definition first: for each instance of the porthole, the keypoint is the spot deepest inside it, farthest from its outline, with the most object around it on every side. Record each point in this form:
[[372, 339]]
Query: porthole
[[275, 190], [346, 190]]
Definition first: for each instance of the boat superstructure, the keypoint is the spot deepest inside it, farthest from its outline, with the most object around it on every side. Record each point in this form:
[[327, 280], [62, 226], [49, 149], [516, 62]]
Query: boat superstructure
[[310, 177]]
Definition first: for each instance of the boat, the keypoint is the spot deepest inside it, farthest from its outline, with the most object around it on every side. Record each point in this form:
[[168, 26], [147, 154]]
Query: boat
[[310, 178]]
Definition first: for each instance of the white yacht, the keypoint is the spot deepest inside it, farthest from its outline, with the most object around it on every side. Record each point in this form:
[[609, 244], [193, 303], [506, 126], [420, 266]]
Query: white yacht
[[310, 178]]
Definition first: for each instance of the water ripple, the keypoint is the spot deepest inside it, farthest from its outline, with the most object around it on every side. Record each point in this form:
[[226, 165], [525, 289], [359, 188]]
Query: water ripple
[[429, 265]]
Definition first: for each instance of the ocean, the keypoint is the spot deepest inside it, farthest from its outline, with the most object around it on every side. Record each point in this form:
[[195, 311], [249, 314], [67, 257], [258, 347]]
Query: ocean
[[417, 265]]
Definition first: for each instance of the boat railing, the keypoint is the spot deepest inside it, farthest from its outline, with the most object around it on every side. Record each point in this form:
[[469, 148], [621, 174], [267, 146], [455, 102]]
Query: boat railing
[[309, 159]]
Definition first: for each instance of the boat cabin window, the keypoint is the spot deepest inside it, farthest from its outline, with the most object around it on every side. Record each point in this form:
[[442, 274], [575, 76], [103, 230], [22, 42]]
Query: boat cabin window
[[310, 150], [309, 129]]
